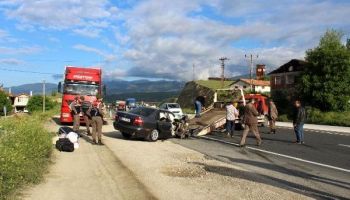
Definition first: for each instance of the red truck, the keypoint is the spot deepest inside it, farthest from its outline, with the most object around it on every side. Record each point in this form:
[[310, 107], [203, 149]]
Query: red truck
[[261, 105], [79, 81]]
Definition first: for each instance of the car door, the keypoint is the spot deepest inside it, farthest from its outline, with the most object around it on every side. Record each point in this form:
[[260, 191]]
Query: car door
[[164, 125]]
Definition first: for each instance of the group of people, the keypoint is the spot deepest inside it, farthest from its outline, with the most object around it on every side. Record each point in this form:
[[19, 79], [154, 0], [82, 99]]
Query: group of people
[[250, 120], [92, 113]]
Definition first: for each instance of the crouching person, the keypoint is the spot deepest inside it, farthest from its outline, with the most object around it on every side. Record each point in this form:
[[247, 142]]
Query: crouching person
[[95, 113]]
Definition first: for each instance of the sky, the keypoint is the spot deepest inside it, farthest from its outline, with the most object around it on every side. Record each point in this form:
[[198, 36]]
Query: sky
[[158, 39]]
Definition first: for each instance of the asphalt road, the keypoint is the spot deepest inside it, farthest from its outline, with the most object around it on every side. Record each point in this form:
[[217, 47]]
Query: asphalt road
[[321, 147], [319, 169]]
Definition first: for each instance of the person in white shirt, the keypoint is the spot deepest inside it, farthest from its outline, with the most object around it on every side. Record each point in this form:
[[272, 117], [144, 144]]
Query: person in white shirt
[[231, 115]]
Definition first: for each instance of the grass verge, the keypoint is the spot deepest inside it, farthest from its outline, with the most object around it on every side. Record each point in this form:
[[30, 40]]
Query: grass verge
[[316, 116], [25, 150]]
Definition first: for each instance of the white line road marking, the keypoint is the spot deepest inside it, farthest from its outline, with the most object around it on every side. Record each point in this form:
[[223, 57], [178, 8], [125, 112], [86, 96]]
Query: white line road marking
[[281, 155], [319, 131], [344, 145]]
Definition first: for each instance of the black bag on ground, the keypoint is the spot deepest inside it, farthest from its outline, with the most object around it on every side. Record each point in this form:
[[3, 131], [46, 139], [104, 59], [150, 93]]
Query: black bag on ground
[[64, 144], [65, 130]]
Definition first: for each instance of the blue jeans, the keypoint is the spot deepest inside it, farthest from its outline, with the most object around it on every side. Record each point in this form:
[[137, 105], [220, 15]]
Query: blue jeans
[[198, 108], [230, 126], [299, 132]]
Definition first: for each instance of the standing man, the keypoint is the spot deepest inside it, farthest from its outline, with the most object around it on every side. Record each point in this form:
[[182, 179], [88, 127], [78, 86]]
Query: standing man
[[251, 123], [231, 115], [75, 108], [85, 105], [199, 105], [96, 114], [273, 115], [299, 117]]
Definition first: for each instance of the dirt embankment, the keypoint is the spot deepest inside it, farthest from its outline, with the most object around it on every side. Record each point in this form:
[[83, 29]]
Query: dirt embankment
[[193, 90]]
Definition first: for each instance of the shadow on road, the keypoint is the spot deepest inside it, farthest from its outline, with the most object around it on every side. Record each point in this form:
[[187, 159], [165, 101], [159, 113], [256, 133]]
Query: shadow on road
[[296, 173], [269, 180]]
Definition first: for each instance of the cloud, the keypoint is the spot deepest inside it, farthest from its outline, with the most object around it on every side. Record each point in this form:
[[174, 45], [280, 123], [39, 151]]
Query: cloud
[[115, 74], [165, 38], [60, 15], [88, 32], [11, 62], [107, 58], [3, 34], [54, 39], [19, 50], [6, 37]]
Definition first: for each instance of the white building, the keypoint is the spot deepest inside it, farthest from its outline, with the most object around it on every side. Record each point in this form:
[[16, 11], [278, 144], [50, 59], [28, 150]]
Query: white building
[[21, 102], [259, 86]]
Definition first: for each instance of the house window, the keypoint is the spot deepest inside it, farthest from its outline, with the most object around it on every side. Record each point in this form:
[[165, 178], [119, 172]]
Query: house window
[[263, 87], [244, 87], [278, 80], [290, 79]]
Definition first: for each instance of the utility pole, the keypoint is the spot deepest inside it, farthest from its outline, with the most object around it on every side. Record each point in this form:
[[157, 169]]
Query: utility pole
[[44, 96], [223, 59], [250, 57]]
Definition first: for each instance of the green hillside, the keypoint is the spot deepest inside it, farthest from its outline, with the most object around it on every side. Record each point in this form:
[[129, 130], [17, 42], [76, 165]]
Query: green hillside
[[213, 84]]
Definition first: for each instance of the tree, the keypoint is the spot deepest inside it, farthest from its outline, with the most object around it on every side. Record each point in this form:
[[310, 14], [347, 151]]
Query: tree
[[4, 101], [326, 78], [35, 103]]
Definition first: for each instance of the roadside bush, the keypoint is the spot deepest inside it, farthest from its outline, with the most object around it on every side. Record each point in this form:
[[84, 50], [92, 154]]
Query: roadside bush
[[25, 149], [35, 103], [4, 101], [283, 118], [188, 110], [315, 116]]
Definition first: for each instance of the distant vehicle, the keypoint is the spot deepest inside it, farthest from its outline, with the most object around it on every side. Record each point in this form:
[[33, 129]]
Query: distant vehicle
[[130, 103], [120, 105], [145, 122], [82, 82], [174, 108]]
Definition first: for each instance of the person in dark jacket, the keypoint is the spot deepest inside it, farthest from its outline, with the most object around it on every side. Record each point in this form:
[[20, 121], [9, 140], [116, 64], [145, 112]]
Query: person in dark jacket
[[299, 117]]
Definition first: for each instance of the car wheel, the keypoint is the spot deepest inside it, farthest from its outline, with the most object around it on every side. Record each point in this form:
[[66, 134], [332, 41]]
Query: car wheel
[[126, 135], [153, 136]]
